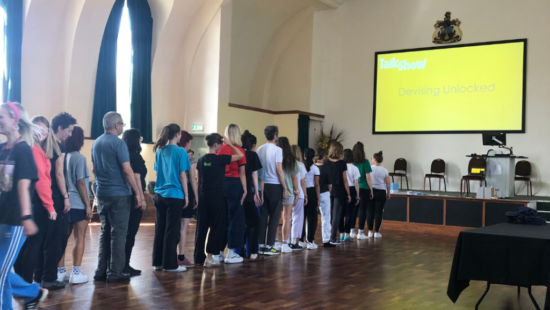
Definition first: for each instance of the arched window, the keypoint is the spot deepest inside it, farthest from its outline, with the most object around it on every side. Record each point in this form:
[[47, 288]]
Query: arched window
[[124, 67], [123, 79]]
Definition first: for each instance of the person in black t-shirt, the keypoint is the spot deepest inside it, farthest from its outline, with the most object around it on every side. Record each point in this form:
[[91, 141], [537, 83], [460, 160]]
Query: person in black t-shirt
[[192, 193], [340, 188], [251, 202], [324, 204], [132, 138], [51, 270], [212, 210], [18, 174]]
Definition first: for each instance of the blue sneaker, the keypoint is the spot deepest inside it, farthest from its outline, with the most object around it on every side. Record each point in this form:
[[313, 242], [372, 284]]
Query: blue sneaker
[[348, 239], [341, 237]]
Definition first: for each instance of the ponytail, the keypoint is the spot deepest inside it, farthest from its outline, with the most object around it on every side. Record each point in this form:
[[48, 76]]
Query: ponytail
[[167, 134], [309, 154], [49, 145], [248, 140], [378, 157]]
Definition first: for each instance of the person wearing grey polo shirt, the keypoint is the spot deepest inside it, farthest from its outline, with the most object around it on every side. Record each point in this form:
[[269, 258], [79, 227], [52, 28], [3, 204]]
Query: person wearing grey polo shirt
[[115, 181]]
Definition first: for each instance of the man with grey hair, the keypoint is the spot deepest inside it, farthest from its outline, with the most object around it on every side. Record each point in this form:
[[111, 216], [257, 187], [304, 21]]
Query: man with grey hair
[[114, 179]]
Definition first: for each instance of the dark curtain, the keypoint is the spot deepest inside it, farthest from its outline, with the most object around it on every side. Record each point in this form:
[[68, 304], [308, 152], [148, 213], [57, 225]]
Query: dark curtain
[[303, 131], [105, 83], [141, 24], [14, 39]]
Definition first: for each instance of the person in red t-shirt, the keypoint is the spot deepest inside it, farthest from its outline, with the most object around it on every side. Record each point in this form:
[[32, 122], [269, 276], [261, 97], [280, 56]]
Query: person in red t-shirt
[[235, 193]]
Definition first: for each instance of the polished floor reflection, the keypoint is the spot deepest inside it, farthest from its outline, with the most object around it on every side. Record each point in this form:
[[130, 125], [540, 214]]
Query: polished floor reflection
[[400, 271]]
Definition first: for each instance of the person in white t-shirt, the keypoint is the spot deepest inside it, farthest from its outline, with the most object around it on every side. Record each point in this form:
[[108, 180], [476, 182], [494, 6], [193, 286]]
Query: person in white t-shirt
[[273, 190], [381, 192], [297, 222], [346, 216]]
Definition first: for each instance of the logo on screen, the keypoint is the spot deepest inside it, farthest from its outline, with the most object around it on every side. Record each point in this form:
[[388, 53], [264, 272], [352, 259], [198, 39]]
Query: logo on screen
[[402, 64]]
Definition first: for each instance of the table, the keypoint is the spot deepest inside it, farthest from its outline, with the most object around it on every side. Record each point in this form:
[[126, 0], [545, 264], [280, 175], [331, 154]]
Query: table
[[507, 254]]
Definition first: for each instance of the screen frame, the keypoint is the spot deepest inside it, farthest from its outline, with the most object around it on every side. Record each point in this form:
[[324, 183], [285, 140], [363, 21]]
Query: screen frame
[[524, 41]]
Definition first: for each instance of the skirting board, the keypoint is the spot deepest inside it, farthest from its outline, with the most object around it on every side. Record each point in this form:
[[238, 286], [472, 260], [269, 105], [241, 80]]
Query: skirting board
[[423, 228]]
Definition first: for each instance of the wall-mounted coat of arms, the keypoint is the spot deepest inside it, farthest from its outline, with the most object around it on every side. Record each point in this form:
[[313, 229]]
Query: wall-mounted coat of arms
[[447, 30]]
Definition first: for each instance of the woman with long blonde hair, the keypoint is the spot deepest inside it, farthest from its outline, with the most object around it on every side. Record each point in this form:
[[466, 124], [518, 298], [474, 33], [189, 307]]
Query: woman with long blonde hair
[[235, 193], [43, 211], [17, 175]]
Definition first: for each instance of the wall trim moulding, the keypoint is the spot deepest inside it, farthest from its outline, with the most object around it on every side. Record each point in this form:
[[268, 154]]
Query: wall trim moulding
[[244, 107], [333, 3]]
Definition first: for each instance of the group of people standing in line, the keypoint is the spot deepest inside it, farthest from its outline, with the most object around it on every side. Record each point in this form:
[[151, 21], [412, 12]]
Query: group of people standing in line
[[237, 193], [241, 193]]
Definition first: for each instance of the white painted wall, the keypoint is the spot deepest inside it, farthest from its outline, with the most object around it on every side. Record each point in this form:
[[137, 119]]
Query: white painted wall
[[344, 44], [270, 42], [61, 43]]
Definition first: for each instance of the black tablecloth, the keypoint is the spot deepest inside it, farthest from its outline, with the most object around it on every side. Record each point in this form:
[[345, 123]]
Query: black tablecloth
[[508, 254]]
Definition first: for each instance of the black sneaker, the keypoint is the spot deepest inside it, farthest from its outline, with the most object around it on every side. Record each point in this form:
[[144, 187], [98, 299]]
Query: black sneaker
[[131, 271], [263, 250], [272, 251], [334, 241], [100, 278], [329, 245], [295, 247], [33, 304], [123, 276], [54, 285]]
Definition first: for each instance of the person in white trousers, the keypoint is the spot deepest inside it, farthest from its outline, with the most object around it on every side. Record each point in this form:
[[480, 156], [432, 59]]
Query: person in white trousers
[[297, 220], [324, 206]]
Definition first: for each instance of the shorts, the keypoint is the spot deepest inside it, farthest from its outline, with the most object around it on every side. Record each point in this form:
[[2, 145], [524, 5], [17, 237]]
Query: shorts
[[289, 201], [187, 213], [77, 215]]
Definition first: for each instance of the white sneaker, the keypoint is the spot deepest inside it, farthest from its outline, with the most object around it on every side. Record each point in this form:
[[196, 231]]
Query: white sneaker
[[361, 236], [233, 258], [78, 278], [286, 249], [62, 276], [311, 246], [352, 234], [370, 235], [377, 235], [303, 244], [158, 268], [277, 246], [179, 269], [211, 263], [219, 258]]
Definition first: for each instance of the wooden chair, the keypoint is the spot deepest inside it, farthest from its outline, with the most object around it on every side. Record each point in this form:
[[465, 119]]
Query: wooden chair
[[92, 186], [437, 171], [151, 191], [477, 162], [523, 173], [400, 165]]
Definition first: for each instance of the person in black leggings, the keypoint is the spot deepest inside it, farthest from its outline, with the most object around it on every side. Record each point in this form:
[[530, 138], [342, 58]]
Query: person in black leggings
[[340, 194], [365, 190], [252, 200], [381, 192], [132, 138], [313, 190]]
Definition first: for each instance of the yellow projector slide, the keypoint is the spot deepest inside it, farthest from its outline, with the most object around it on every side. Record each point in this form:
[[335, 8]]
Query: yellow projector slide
[[463, 88]]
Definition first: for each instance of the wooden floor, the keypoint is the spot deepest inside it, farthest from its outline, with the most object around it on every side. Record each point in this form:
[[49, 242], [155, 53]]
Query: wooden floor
[[400, 271]]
